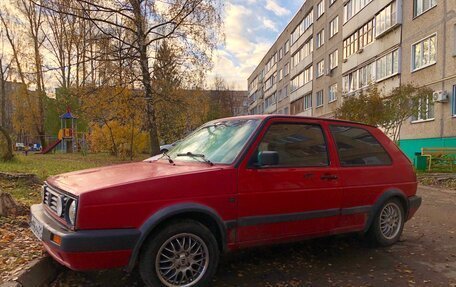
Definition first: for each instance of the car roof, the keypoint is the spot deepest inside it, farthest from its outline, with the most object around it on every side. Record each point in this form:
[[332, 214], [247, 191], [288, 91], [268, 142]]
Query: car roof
[[268, 117]]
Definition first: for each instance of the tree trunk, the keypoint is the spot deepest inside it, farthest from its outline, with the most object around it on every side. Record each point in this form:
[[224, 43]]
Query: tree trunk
[[146, 78], [8, 207], [3, 98], [9, 149]]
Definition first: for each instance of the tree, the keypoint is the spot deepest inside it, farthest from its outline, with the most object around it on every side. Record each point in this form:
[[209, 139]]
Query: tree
[[387, 111], [168, 100], [28, 24], [190, 24]]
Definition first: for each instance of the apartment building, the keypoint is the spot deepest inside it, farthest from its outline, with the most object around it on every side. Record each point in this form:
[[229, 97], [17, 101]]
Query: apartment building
[[332, 49]]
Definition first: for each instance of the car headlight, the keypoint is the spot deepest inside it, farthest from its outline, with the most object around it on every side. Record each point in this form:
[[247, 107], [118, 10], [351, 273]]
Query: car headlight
[[72, 212]]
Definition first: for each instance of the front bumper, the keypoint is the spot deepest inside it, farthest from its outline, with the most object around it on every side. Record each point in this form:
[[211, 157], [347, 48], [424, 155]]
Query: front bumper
[[414, 202], [85, 249]]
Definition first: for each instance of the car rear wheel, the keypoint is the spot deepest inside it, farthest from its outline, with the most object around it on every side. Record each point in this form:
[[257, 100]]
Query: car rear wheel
[[388, 223], [183, 254]]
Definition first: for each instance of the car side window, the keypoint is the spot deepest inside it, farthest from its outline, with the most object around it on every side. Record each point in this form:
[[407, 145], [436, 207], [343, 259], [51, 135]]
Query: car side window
[[296, 145], [358, 147]]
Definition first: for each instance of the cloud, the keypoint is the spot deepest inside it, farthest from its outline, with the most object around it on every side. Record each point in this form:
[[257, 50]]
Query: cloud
[[272, 6], [251, 27], [268, 23]]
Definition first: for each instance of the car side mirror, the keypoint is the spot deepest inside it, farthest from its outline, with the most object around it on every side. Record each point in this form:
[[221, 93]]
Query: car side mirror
[[268, 158]]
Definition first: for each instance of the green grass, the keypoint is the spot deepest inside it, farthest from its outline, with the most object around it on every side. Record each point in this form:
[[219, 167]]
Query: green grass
[[46, 165]]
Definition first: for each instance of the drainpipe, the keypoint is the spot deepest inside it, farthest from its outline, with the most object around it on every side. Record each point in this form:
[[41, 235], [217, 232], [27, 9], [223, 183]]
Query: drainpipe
[[442, 114]]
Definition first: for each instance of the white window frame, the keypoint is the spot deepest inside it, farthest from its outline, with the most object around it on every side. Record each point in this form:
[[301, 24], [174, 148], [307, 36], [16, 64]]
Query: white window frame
[[320, 38], [332, 94], [386, 15], [319, 98], [412, 54], [429, 104], [334, 27], [307, 102], [415, 14], [453, 102], [393, 72], [320, 8], [320, 69], [334, 59]]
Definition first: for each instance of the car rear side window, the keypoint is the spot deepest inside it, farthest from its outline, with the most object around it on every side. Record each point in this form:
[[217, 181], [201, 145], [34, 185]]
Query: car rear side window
[[297, 145], [358, 147]]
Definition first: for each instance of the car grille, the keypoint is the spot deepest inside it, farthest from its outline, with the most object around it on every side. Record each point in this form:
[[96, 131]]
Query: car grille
[[50, 198]]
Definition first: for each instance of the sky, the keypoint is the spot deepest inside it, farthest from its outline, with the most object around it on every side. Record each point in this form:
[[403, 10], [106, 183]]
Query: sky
[[251, 27]]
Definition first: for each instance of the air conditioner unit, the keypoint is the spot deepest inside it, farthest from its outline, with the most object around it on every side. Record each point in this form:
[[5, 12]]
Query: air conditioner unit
[[329, 72], [344, 61], [440, 96], [360, 51]]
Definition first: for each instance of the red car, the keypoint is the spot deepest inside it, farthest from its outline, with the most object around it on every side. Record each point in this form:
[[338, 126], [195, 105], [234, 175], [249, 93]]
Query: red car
[[233, 183]]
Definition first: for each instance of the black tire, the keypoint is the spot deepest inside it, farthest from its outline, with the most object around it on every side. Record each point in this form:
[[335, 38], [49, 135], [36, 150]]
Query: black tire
[[147, 262], [378, 236]]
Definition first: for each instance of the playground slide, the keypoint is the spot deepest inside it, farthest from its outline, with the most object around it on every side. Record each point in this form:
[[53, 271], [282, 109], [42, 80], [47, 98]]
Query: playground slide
[[51, 147]]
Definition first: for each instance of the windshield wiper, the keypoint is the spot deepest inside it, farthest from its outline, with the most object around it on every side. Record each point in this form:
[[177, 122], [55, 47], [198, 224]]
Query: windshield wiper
[[197, 156], [165, 154]]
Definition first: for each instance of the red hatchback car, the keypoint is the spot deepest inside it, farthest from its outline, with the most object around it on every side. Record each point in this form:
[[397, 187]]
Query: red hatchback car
[[233, 183]]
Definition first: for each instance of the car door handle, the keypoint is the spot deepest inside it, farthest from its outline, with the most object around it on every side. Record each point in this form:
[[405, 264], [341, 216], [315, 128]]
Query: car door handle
[[329, 177]]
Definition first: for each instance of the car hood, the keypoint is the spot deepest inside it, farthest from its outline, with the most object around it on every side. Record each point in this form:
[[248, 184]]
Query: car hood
[[83, 181]]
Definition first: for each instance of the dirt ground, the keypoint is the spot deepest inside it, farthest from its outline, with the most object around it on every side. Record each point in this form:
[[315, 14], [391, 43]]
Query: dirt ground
[[425, 256]]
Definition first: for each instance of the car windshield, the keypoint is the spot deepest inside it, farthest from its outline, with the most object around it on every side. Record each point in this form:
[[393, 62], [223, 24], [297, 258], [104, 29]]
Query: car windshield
[[219, 141]]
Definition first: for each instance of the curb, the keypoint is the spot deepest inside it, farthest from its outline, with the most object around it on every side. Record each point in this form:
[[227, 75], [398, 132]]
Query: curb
[[39, 272]]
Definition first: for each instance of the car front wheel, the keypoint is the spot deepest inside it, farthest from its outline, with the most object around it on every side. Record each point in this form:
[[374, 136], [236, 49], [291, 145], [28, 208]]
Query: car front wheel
[[183, 254], [388, 223]]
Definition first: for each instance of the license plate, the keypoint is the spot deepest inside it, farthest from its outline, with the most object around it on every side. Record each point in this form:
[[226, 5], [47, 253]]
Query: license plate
[[36, 227]]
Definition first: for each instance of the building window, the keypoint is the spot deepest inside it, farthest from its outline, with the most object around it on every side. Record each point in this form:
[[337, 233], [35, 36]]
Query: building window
[[280, 75], [334, 59], [286, 111], [331, 2], [366, 34], [301, 79], [332, 93], [308, 102], [305, 51], [286, 69], [287, 46], [272, 61], [424, 53], [421, 6], [388, 65], [269, 101], [270, 82], [425, 109], [320, 38], [334, 27], [386, 19], [280, 53], [297, 106], [453, 102], [352, 7], [320, 68], [302, 27], [367, 75], [320, 8], [320, 98], [359, 39]]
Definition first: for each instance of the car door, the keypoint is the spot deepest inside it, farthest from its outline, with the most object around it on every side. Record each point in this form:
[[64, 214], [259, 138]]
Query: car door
[[365, 172], [298, 196]]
